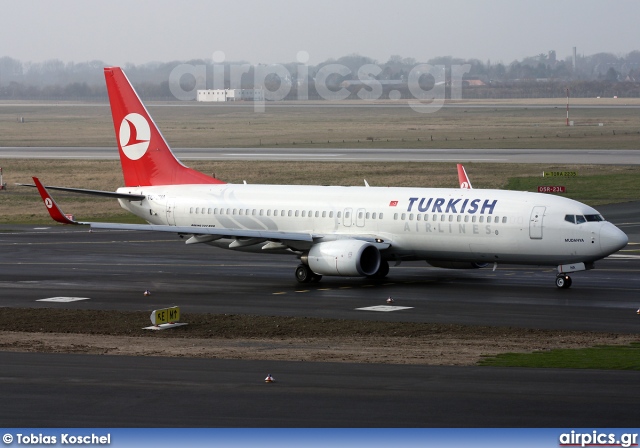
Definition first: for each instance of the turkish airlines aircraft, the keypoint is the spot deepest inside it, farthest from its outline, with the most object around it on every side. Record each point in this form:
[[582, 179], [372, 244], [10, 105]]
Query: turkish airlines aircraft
[[463, 178], [342, 231]]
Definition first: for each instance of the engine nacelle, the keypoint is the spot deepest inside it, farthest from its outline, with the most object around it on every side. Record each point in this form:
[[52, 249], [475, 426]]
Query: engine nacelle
[[457, 264], [347, 258]]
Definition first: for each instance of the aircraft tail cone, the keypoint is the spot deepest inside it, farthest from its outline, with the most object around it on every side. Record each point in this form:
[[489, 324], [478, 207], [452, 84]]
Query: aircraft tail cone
[[269, 379]]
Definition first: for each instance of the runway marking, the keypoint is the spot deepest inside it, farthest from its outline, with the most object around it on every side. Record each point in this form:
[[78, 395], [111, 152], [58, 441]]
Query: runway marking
[[384, 308], [624, 257], [278, 293], [279, 155], [302, 290], [63, 299]]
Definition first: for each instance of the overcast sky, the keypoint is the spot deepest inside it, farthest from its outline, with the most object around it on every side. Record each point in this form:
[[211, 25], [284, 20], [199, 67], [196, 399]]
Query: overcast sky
[[271, 31]]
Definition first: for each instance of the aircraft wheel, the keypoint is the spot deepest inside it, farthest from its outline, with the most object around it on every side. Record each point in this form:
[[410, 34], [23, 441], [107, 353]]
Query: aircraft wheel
[[563, 281], [304, 274]]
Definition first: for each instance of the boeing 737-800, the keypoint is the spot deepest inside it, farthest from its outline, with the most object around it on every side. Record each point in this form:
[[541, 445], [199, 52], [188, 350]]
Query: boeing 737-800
[[342, 231]]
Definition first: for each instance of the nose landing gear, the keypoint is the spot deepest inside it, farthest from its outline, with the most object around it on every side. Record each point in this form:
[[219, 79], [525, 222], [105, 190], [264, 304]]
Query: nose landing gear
[[563, 281]]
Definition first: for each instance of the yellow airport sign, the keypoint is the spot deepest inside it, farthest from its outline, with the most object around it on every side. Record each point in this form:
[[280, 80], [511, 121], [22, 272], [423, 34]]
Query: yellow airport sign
[[165, 315]]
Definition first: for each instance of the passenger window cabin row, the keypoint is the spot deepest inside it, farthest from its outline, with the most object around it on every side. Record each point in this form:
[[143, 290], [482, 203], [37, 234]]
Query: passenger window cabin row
[[360, 215], [275, 213]]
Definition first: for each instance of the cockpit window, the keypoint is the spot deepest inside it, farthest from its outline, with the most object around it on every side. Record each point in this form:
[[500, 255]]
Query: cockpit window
[[593, 218], [579, 219]]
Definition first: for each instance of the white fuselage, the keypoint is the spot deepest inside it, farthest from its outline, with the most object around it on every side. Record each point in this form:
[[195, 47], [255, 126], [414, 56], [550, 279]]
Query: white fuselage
[[479, 226]]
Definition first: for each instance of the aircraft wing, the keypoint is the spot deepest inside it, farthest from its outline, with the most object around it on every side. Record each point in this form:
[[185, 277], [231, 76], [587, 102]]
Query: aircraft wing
[[200, 234], [222, 232]]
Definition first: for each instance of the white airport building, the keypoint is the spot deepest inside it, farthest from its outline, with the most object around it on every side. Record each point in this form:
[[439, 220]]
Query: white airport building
[[231, 95]]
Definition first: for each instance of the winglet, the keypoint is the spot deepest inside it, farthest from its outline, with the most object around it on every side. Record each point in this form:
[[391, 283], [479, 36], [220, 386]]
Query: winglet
[[51, 205], [465, 183]]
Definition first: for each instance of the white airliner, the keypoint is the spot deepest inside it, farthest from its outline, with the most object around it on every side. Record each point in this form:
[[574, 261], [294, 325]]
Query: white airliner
[[342, 231]]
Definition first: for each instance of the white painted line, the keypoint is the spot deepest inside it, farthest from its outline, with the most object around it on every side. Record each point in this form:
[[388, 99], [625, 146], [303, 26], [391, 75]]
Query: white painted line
[[268, 154], [624, 257], [63, 299], [384, 308]]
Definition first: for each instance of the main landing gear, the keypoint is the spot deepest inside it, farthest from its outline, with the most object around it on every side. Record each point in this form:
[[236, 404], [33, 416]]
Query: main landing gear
[[563, 281], [306, 275]]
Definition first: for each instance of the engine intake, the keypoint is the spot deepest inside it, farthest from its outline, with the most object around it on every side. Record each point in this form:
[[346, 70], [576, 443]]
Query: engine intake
[[347, 258]]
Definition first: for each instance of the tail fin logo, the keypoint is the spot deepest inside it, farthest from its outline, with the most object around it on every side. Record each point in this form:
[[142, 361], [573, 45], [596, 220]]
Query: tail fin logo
[[134, 136]]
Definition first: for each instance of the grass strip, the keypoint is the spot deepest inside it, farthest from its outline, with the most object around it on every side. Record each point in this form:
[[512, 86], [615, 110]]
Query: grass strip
[[626, 357]]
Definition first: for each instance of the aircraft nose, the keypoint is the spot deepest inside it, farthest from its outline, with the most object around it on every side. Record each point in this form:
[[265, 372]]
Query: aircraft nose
[[612, 239]]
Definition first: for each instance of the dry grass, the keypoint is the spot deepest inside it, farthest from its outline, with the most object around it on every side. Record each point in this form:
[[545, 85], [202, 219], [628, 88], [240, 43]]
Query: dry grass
[[278, 338], [521, 125]]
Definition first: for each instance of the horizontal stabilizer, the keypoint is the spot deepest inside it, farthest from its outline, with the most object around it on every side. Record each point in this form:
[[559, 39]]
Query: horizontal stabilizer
[[110, 194]]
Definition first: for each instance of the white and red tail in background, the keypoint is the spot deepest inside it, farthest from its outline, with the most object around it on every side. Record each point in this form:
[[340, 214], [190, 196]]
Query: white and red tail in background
[[144, 153], [465, 183]]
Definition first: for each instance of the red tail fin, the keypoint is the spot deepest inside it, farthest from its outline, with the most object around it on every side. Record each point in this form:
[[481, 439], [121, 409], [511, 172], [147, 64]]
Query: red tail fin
[[465, 183], [144, 154]]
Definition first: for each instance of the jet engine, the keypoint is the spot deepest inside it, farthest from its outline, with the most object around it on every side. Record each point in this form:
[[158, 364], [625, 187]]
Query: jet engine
[[347, 258]]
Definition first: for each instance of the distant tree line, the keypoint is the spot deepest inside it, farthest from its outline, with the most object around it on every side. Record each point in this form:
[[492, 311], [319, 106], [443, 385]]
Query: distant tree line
[[544, 76]]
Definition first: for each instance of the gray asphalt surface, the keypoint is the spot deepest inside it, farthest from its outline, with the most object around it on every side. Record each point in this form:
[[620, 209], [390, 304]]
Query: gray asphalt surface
[[547, 156], [60, 390]]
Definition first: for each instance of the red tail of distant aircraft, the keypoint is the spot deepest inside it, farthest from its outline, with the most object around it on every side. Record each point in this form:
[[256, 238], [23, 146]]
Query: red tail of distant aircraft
[[463, 178]]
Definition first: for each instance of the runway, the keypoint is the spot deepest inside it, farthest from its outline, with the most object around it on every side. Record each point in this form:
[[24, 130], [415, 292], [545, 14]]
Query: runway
[[61, 390], [541, 156], [111, 269]]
